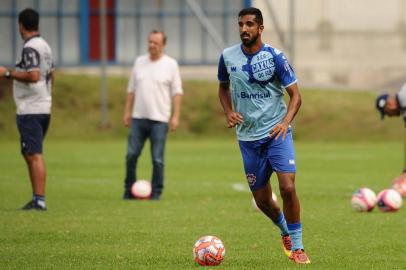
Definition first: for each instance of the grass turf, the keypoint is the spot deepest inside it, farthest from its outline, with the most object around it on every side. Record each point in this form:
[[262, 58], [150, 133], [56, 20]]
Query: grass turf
[[88, 226]]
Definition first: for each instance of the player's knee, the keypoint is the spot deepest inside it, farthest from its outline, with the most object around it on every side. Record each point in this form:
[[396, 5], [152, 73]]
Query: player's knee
[[31, 158], [263, 203], [287, 191], [158, 162], [131, 158]]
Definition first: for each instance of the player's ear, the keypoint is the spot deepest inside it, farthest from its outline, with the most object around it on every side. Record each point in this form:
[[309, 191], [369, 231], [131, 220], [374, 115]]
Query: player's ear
[[21, 30], [261, 28]]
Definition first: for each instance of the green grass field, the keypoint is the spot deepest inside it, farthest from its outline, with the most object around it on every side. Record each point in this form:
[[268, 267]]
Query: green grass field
[[89, 226]]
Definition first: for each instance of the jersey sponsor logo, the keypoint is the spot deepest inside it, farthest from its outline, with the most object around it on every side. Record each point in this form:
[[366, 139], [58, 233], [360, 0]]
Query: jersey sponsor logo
[[251, 178], [260, 68], [257, 95]]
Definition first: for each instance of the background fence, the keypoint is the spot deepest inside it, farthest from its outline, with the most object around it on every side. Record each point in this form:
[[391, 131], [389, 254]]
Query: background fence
[[72, 28], [351, 44]]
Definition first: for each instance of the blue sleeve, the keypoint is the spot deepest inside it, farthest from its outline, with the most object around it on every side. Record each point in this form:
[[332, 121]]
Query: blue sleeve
[[222, 74], [284, 70]]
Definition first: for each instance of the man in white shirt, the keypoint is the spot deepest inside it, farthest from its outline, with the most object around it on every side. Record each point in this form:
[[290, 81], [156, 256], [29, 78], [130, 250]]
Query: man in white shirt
[[32, 83], [395, 105], [153, 105]]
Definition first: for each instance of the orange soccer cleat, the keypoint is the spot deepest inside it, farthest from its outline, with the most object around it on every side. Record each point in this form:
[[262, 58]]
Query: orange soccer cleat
[[287, 245], [298, 256]]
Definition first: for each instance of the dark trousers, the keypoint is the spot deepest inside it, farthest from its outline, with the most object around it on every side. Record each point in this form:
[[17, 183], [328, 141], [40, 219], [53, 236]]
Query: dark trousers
[[156, 132]]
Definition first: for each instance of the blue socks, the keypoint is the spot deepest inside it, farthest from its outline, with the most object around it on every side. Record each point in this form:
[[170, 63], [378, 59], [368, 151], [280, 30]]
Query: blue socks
[[295, 232], [281, 223]]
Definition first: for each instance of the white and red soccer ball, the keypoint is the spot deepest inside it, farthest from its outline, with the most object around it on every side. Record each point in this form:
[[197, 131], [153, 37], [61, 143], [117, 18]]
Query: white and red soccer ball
[[389, 200], [209, 251], [363, 200], [141, 189]]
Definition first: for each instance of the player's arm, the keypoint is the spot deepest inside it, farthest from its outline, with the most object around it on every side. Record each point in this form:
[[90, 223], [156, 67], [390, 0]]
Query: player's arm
[[177, 103], [402, 177], [233, 118], [4, 72], [130, 99], [176, 93], [32, 76], [129, 103], [295, 100], [287, 77], [30, 67], [26, 76], [404, 148]]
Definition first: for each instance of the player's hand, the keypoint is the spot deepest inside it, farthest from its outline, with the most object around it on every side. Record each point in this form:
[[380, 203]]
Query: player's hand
[[127, 119], [173, 123], [3, 70], [281, 129], [233, 119]]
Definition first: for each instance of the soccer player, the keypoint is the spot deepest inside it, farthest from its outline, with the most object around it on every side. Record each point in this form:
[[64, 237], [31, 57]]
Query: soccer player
[[259, 74], [395, 105], [152, 107], [33, 78]]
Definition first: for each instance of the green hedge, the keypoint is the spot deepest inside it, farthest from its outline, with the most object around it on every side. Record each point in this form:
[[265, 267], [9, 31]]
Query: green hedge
[[326, 115]]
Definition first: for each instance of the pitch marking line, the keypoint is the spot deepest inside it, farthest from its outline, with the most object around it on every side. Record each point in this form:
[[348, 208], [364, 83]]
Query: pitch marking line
[[240, 187]]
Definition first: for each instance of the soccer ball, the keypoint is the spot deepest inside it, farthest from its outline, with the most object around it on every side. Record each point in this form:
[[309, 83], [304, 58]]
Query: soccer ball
[[209, 251], [255, 206], [389, 200], [400, 186], [363, 200], [141, 189]]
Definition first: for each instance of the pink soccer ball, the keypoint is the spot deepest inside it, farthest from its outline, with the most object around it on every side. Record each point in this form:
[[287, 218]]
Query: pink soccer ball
[[389, 200], [141, 189], [363, 200]]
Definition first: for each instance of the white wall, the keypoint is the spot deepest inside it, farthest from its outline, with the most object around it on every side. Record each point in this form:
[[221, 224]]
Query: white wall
[[364, 45]]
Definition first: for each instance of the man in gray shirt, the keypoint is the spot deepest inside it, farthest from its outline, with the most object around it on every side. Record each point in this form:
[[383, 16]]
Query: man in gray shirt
[[32, 83]]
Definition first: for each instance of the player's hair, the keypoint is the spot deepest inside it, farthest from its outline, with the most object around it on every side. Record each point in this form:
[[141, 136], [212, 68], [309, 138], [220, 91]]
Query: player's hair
[[29, 18], [252, 11], [160, 32]]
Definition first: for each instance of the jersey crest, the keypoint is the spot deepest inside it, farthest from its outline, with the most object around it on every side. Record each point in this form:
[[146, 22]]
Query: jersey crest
[[260, 68]]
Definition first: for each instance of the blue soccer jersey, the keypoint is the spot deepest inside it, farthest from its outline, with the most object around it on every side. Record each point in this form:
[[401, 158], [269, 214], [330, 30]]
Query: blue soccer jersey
[[258, 83]]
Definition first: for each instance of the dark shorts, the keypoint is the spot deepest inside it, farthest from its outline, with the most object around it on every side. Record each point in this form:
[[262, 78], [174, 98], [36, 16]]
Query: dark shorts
[[32, 128], [262, 157]]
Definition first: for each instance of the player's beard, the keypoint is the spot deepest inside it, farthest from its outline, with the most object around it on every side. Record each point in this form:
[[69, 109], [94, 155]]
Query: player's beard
[[249, 43]]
